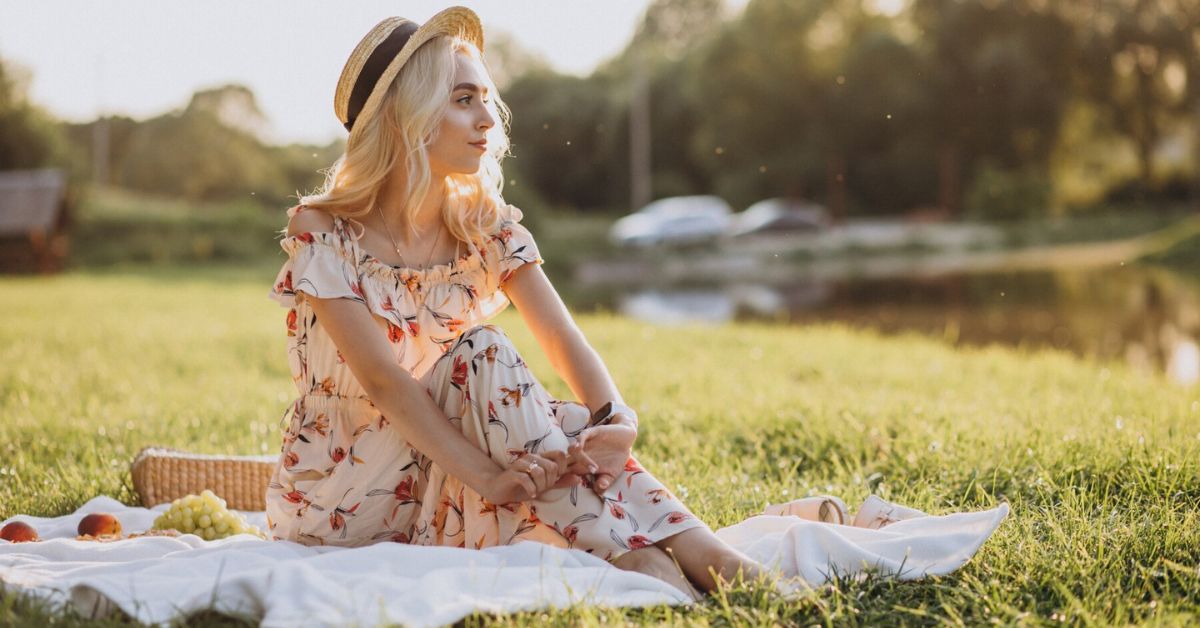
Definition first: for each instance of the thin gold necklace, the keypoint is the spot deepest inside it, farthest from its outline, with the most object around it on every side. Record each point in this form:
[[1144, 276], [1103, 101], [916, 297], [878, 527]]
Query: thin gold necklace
[[404, 262]]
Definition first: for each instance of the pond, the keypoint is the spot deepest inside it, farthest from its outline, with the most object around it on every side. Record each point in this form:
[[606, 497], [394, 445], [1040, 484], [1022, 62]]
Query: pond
[[1146, 316]]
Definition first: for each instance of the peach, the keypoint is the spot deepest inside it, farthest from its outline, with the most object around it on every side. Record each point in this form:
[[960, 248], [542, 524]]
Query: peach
[[98, 524], [18, 532]]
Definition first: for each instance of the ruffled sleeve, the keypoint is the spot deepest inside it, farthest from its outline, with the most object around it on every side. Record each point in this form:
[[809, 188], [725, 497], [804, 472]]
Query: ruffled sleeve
[[513, 246], [509, 248], [317, 265]]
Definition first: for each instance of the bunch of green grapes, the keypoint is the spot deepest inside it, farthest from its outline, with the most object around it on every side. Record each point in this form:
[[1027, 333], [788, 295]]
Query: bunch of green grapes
[[206, 516]]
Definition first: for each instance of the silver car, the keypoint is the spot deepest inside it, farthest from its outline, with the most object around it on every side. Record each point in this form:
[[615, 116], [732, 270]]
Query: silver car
[[674, 220]]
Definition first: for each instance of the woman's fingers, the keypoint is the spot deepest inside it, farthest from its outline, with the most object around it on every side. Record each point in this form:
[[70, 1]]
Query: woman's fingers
[[558, 459], [543, 470], [538, 473], [603, 481], [567, 480], [527, 485], [579, 462]]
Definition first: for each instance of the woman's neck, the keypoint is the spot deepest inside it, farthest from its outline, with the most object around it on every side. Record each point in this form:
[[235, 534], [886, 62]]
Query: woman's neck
[[428, 218]]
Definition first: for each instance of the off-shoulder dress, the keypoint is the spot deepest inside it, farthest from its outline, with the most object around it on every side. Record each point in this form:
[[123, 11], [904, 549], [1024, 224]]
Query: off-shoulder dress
[[346, 477]]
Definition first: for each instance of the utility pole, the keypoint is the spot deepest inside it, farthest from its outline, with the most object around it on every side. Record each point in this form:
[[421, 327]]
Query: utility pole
[[640, 169], [100, 130]]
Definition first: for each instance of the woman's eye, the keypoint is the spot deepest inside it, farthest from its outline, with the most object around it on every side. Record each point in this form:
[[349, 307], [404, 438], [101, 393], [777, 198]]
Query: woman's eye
[[469, 98]]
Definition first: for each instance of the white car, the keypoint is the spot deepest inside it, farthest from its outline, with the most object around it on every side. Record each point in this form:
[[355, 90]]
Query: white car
[[674, 220]]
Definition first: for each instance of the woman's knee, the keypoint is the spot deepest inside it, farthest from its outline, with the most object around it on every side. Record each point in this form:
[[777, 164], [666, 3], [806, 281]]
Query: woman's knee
[[479, 338]]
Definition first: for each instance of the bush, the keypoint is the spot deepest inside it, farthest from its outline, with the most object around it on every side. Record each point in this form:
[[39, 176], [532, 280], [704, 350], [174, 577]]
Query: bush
[[1000, 194], [1172, 189]]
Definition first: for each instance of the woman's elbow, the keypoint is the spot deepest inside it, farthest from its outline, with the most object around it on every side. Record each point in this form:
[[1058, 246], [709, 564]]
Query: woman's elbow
[[380, 380]]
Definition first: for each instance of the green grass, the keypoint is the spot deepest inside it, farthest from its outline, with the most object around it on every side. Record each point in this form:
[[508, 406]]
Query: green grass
[[1100, 465], [1116, 222]]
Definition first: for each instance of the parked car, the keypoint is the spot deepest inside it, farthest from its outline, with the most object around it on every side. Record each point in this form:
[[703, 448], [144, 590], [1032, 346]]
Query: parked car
[[781, 216], [674, 220]]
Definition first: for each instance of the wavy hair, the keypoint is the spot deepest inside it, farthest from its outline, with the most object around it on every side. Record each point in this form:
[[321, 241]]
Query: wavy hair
[[404, 126]]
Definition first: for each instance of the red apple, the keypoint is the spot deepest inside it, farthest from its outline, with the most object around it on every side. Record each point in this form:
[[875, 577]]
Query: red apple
[[98, 524], [18, 532]]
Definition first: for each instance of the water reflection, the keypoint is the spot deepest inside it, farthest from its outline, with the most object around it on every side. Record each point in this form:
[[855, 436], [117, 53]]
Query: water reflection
[[1148, 317]]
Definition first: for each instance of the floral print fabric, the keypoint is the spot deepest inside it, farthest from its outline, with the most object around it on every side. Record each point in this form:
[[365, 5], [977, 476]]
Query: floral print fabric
[[345, 477]]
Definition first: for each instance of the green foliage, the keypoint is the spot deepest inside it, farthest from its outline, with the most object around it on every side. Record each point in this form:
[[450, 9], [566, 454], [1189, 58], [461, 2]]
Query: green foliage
[[943, 104], [1182, 253], [1102, 223], [1127, 53], [118, 229], [115, 229], [1170, 190], [1099, 463], [196, 156], [1006, 195], [562, 131], [29, 137], [208, 151]]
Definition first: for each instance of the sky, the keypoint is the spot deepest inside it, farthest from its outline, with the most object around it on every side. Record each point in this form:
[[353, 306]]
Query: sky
[[142, 58]]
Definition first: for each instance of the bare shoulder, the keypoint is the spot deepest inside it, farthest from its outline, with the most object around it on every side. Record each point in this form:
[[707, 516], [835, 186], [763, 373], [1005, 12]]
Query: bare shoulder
[[308, 219]]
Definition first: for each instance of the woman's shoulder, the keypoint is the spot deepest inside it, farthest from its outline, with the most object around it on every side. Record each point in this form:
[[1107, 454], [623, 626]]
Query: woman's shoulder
[[302, 219]]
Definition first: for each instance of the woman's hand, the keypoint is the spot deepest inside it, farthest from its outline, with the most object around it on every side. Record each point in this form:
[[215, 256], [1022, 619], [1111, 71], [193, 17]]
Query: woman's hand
[[609, 446], [524, 479], [533, 474]]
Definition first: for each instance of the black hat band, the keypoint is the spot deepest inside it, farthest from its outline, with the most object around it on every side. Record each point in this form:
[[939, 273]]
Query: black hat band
[[374, 67]]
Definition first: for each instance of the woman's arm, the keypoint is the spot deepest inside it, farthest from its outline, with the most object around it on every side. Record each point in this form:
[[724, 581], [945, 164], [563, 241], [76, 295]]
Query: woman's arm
[[402, 398], [572, 357], [579, 365]]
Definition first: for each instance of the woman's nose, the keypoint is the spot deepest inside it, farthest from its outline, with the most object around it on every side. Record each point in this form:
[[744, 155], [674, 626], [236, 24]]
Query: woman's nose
[[487, 120]]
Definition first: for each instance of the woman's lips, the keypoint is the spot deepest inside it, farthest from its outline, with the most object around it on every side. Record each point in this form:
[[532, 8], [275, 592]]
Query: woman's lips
[[482, 146]]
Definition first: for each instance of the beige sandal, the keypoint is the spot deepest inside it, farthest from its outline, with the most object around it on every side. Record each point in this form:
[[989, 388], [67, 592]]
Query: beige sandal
[[876, 513], [822, 508]]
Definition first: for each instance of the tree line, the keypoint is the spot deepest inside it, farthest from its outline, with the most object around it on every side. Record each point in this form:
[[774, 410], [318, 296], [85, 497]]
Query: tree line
[[981, 108]]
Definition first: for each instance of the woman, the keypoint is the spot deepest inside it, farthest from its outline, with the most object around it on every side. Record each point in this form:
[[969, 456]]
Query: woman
[[418, 421]]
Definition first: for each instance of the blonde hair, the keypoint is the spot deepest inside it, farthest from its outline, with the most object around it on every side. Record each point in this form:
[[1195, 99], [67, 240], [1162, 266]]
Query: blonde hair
[[403, 128]]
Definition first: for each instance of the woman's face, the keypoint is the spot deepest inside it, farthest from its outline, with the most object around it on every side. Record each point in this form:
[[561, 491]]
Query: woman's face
[[460, 142]]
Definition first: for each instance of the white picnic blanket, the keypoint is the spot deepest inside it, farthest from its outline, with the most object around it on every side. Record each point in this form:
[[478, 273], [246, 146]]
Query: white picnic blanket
[[157, 579]]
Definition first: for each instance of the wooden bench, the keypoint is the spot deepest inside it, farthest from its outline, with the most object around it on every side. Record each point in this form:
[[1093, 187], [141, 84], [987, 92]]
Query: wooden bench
[[33, 220]]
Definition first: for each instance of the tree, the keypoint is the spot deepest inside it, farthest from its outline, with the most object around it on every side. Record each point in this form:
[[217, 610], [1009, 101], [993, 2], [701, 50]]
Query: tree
[[506, 59], [1139, 66], [208, 150], [233, 106], [759, 83], [998, 76], [29, 137], [560, 137]]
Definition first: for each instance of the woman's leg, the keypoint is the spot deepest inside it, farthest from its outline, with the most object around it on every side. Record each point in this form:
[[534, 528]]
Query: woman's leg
[[653, 561], [483, 383], [484, 387], [701, 555]]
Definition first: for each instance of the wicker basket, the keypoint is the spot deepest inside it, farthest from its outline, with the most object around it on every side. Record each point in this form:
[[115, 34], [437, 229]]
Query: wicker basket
[[161, 475]]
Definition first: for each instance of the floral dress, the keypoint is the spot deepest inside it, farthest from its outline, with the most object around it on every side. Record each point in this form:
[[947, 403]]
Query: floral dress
[[346, 477]]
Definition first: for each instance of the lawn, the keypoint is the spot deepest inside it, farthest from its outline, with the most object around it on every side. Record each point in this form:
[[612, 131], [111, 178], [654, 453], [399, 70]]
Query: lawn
[[1101, 465]]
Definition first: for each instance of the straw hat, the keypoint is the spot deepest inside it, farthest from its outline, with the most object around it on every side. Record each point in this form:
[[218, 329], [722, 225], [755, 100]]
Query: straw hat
[[384, 50]]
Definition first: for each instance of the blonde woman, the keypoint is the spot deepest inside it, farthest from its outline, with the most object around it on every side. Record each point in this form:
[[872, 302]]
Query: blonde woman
[[417, 420]]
